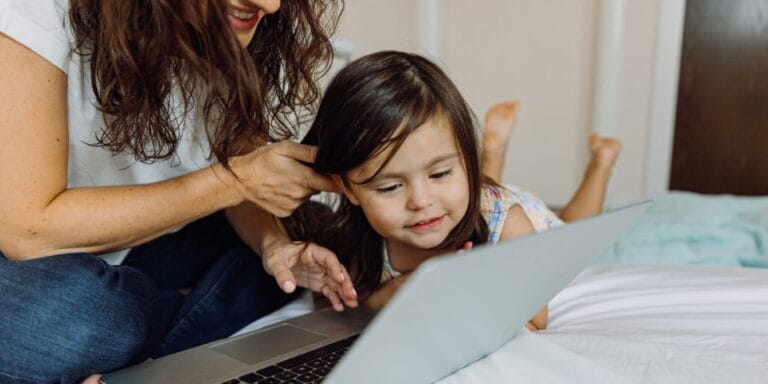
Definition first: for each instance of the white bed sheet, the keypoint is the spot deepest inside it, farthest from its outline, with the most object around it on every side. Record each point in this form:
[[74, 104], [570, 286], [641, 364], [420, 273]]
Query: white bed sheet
[[634, 324], [656, 324]]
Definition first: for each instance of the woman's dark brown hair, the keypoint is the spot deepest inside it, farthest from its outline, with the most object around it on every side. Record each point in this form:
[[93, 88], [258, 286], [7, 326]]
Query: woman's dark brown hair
[[142, 50], [374, 104]]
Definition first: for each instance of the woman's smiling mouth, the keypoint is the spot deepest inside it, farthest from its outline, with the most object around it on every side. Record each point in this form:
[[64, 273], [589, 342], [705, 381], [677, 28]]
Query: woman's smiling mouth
[[242, 19]]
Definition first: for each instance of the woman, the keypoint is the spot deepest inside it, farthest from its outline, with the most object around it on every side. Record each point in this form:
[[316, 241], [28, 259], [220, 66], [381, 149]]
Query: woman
[[135, 130]]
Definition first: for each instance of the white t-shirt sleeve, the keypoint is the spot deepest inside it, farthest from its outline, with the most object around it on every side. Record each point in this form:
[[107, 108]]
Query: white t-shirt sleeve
[[40, 25]]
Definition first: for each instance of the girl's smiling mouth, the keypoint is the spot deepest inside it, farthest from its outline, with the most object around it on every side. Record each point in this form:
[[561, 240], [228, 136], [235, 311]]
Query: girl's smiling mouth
[[426, 225]]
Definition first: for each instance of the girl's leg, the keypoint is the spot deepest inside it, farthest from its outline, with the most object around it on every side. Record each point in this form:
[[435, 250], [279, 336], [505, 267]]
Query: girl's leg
[[590, 197], [65, 317]]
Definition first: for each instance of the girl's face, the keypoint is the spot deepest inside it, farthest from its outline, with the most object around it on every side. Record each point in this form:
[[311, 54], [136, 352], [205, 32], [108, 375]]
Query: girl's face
[[420, 195], [244, 17]]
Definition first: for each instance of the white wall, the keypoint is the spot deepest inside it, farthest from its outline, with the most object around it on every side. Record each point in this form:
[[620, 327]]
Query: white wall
[[541, 52], [375, 25], [634, 91]]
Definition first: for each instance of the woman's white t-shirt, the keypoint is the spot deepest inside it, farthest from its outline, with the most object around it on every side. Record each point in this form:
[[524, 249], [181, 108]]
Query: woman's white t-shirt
[[43, 26]]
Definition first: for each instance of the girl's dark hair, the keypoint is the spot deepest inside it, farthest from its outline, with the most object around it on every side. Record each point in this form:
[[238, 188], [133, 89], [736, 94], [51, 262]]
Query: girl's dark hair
[[373, 104], [142, 50]]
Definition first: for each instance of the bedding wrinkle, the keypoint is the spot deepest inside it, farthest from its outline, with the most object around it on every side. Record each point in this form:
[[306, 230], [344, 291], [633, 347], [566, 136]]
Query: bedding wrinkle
[[667, 324]]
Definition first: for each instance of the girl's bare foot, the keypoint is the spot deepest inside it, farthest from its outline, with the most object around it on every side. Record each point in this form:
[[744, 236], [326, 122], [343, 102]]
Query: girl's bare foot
[[604, 151], [498, 125]]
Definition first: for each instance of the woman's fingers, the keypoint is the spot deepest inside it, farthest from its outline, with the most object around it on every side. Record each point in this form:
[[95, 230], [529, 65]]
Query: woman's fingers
[[312, 266], [344, 291], [348, 289], [285, 280], [279, 177], [93, 379], [333, 298], [306, 154], [299, 152], [317, 182], [336, 273], [339, 290], [279, 266]]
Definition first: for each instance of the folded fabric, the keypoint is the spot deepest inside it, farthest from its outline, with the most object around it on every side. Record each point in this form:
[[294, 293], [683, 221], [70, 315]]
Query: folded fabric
[[690, 228]]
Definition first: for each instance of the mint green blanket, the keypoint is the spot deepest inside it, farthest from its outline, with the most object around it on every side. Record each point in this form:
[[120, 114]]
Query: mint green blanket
[[689, 228]]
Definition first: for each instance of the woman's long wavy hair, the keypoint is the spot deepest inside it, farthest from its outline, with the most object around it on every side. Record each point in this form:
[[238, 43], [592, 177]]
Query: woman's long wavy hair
[[373, 105], [142, 50]]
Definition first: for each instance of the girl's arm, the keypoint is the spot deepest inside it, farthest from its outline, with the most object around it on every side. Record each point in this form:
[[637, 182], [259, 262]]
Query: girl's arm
[[39, 216], [539, 321], [517, 224], [381, 296]]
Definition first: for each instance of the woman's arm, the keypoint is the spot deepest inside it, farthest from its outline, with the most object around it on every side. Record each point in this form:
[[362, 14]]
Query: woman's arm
[[39, 216]]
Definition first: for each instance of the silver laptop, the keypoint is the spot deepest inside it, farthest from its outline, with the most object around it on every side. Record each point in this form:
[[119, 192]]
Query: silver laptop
[[453, 311]]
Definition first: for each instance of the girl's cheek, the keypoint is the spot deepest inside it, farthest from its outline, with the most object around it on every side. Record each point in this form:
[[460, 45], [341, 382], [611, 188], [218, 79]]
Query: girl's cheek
[[374, 209]]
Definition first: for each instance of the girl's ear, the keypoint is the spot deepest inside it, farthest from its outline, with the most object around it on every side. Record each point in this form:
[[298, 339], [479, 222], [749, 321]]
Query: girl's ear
[[344, 188]]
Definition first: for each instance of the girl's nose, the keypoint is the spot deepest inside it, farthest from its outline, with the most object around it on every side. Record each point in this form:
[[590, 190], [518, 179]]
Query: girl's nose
[[419, 197]]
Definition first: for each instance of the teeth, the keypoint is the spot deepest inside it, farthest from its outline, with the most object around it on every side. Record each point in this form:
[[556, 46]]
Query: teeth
[[242, 15]]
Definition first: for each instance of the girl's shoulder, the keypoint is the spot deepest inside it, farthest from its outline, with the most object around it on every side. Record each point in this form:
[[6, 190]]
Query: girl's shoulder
[[496, 198], [496, 201]]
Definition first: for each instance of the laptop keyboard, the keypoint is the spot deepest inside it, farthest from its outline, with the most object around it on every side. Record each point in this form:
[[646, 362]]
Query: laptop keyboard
[[310, 367]]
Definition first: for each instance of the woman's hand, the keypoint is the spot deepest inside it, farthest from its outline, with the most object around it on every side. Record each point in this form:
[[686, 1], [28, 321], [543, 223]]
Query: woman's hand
[[274, 178], [312, 266], [93, 379]]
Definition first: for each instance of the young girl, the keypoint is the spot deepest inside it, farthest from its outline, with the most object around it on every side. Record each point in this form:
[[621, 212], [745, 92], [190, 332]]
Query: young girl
[[400, 142]]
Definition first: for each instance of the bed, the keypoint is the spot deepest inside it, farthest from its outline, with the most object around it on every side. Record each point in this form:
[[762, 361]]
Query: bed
[[679, 298]]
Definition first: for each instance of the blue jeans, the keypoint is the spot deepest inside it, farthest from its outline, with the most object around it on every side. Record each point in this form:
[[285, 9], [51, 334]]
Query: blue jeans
[[65, 317]]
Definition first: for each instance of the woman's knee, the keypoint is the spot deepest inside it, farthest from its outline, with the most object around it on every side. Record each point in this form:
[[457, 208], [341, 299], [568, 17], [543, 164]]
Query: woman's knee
[[74, 314]]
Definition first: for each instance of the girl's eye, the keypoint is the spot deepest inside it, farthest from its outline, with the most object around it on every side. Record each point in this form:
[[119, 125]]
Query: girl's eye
[[389, 188], [440, 175]]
